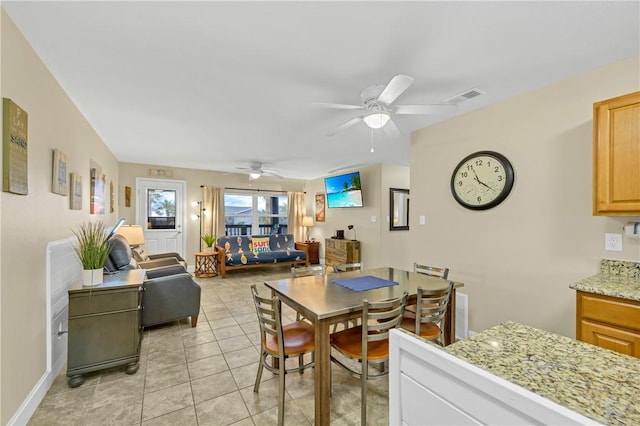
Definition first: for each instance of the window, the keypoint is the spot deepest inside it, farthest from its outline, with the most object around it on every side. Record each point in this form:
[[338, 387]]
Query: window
[[162, 209], [255, 214]]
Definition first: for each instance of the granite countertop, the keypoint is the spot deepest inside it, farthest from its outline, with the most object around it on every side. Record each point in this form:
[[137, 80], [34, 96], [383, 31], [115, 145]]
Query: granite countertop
[[597, 383], [616, 279]]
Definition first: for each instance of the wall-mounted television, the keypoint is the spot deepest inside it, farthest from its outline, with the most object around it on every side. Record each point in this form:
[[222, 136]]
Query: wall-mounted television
[[344, 190]]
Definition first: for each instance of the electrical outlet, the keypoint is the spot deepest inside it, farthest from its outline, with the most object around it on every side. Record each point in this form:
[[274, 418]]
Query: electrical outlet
[[613, 242]]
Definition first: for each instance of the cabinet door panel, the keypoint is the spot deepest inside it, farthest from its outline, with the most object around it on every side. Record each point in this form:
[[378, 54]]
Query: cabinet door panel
[[617, 312], [102, 338], [616, 156], [615, 339]]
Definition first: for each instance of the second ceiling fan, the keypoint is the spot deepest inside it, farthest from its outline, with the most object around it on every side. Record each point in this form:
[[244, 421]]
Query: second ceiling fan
[[377, 103]]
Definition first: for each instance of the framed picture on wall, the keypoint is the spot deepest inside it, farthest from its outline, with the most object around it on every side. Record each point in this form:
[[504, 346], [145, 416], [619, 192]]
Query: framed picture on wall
[[98, 183], [320, 202], [75, 201], [59, 179]]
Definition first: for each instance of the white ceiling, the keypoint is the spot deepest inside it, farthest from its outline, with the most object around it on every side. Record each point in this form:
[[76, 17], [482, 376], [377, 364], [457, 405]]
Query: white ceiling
[[217, 85]]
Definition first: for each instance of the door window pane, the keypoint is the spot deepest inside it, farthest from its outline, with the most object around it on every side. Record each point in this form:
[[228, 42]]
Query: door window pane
[[162, 209]]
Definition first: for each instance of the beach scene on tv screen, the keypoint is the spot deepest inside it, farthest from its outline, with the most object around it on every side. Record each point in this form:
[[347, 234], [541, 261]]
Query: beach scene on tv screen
[[344, 190]]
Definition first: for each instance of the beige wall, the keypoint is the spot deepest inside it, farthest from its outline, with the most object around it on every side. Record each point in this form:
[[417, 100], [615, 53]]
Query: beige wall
[[128, 173], [378, 246], [517, 259], [30, 222]]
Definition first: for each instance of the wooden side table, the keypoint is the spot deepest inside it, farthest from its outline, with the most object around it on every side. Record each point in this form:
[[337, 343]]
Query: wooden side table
[[206, 264], [314, 248]]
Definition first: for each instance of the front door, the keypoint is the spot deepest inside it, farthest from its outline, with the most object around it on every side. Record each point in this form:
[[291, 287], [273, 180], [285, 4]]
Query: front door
[[160, 211]]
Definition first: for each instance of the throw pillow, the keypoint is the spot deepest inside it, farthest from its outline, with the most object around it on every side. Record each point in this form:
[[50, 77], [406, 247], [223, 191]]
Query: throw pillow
[[260, 245], [139, 254]]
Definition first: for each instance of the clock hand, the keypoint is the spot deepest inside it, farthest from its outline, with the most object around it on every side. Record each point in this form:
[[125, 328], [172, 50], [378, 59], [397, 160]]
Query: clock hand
[[482, 183]]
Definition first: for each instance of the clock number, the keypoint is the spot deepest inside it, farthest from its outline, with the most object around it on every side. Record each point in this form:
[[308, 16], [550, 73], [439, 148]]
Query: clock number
[[479, 199], [463, 174], [459, 183], [478, 163], [497, 169], [499, 178]]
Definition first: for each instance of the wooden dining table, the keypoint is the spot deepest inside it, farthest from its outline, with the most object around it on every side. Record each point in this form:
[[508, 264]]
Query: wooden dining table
[[325, 303]]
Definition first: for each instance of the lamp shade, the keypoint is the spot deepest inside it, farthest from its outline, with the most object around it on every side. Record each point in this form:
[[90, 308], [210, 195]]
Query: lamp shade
[[132, 233], [376, 119], [307, 221]]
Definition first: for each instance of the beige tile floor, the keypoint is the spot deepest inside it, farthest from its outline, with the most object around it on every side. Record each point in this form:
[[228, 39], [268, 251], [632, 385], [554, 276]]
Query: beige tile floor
[[205, 375]]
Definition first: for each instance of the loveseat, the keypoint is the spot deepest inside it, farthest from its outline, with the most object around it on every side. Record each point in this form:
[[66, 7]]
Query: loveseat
[[258, 250]]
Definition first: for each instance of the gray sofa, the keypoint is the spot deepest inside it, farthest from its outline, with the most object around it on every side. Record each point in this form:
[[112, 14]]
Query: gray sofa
[[170, 293]]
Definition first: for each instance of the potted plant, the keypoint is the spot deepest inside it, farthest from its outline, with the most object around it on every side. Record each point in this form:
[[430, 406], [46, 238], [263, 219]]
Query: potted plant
[[209, 239], [93, 249]]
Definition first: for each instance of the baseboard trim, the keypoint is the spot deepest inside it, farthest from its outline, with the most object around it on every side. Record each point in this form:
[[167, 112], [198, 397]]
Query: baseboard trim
[[35, 397]]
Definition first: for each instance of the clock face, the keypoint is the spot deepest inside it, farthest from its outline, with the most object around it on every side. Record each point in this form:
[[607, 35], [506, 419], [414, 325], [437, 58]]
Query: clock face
[[482, 180]]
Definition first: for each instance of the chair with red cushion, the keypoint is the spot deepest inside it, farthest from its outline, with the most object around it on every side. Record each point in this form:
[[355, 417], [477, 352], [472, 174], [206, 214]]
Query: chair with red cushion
[[368, 343], [431, 308], [280, 342]]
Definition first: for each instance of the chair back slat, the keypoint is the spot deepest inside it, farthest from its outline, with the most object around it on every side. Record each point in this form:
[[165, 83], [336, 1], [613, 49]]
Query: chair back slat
[[434, 271], [380, 317], [268, 310], [345, 267], [306, 271], [431, 306]]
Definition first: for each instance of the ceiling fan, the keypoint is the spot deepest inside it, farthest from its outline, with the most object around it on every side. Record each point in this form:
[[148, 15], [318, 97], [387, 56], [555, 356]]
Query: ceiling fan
[[377, 103], [256, 170]]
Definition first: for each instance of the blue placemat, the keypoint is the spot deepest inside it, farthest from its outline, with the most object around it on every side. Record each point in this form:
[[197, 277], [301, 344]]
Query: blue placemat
[[364, 283]]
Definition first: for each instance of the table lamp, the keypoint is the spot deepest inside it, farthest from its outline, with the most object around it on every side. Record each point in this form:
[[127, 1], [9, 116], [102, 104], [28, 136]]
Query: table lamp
[[133, 234], [307, 222]]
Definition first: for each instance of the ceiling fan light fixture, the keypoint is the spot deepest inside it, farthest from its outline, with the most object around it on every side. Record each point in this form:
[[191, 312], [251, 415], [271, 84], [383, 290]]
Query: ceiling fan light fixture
[[254, 175], [376, 119]]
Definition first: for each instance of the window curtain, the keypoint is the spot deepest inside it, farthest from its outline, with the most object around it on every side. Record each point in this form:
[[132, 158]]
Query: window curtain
[[213, 211], [297, 211]]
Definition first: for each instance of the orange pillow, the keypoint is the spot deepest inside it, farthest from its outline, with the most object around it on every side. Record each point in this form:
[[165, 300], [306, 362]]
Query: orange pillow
[[260, 245]]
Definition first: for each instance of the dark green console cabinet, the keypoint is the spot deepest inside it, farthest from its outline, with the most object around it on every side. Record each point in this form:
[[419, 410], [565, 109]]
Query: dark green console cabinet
[[104, 325]]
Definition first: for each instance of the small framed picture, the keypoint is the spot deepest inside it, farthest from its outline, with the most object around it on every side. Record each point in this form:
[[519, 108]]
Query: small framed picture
[[320, 201], [76, 192], [59, 181]]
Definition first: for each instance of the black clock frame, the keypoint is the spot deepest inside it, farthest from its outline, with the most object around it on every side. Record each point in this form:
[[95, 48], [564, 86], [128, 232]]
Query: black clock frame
[[510, 177]]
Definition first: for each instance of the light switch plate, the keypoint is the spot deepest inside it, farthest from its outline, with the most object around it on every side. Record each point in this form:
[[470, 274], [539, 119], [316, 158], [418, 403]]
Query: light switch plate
[[422, 220], [613, 242], [373, 218]]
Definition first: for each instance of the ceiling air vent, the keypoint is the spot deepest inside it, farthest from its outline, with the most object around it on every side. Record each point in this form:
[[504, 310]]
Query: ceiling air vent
[[466, 95]]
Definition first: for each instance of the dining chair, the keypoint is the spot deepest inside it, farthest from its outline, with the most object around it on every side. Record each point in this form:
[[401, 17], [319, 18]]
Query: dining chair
[[431, 270], [305, 271], [344, 267], [279, 342], [368, 343], [431, 308], [434, 271]]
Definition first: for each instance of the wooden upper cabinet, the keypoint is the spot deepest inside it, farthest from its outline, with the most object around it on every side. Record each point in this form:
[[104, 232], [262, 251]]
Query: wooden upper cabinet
[[616, 156]]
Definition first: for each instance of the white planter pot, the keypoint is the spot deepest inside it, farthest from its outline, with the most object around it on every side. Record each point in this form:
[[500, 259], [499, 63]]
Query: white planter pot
[[91, 277]]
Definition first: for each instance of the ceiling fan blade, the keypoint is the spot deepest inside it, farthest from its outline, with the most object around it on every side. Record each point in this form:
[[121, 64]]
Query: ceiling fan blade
[[272, 173], [395, 88], [425, 109], [346, 125], [392, 130], [335, 106]]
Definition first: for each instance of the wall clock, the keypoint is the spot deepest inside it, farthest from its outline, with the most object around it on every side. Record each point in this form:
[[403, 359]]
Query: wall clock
[[482, 180]]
